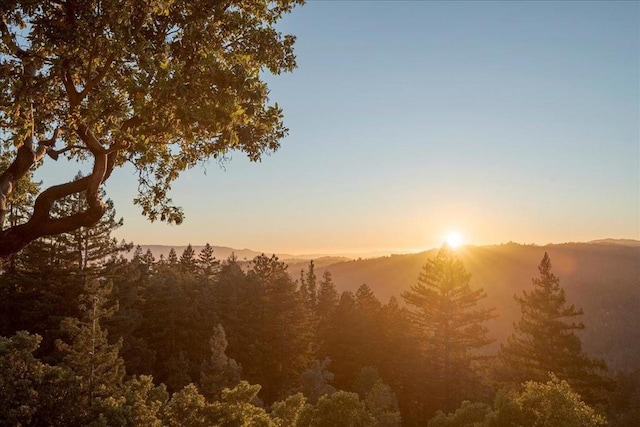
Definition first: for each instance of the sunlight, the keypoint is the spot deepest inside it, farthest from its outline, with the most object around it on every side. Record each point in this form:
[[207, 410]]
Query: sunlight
[[454, 239]]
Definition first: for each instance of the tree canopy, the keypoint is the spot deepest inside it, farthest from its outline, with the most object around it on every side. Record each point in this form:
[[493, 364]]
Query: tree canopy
[[161, 85]]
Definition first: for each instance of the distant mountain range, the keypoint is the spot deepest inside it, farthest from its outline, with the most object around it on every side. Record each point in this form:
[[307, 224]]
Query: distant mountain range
[[621, 242], [223, 252]]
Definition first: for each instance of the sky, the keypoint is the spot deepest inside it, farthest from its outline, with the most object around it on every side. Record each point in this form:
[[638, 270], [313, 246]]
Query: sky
[[504, 121]]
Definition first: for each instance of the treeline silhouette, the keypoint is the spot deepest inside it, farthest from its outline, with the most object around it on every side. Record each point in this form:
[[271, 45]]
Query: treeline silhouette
[[192, 319], [602, 278]]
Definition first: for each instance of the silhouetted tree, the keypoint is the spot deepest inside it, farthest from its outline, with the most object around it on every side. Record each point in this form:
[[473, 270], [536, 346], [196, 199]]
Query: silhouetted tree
[[188, 260], [545, 340], [445, 311], [208, 265], [281, 323]]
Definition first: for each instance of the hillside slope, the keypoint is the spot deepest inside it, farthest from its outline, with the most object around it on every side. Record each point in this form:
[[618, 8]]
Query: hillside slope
[[602, 279]]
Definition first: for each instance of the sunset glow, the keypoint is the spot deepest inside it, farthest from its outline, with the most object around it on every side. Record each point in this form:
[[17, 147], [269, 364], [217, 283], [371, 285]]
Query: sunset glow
[[391, 170], [454, 239]]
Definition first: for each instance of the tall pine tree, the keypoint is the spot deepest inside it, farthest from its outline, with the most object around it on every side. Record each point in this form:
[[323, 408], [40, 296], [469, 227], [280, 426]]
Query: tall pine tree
[[219, 371], [95, 362], [545, 339], [445, 311]]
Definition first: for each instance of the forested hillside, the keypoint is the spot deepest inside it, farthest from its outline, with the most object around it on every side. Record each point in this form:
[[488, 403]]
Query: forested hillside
[[93, 337], [97, 332], [601, 277]]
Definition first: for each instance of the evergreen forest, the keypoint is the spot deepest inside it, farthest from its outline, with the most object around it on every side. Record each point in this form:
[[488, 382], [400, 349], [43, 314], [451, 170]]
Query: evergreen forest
[[93, 337], [99, 332]]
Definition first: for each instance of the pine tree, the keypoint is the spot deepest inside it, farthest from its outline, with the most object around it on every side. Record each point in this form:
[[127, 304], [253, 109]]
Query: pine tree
[[172, 258], [400, 362], [303, 290], [326, 306], [444, 309], [52, 271], [338, 341], [188, 260], [312, 286], [208, 265], [545, 339], [368, 331], [89, 247], [89, 355], [219, 371], [279, 317], [149, 261], [167, 314], [131, 279]]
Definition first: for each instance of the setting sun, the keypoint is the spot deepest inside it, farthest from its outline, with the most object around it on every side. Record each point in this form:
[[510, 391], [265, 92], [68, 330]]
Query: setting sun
[[454, 239]]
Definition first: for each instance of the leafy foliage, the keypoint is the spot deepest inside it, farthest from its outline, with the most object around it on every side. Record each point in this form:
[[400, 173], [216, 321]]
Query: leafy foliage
[[550, 404], [163, 86], [34, 393]]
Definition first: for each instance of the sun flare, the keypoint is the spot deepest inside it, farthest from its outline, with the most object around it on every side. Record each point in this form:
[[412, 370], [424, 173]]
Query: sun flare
[[454, 239]]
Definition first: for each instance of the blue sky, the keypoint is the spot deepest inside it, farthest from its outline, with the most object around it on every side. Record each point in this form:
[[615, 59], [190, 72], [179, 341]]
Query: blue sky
[[507, 121]]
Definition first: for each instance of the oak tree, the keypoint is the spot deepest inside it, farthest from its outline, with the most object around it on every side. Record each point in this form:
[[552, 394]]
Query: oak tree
[[161, 85]]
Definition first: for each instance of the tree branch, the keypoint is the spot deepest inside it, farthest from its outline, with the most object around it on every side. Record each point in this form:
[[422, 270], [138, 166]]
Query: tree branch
[[25, 158], [41, 224], [67, 80], [98, 78]]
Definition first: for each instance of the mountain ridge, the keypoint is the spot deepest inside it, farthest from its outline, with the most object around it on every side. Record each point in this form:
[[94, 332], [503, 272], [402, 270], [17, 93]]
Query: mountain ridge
[[223, 252]]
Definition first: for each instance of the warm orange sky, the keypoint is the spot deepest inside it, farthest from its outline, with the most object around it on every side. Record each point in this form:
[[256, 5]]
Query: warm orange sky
[[506, 121]]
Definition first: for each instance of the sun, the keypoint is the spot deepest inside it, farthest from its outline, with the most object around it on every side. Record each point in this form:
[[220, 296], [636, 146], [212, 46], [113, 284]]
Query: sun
[[454, 239]]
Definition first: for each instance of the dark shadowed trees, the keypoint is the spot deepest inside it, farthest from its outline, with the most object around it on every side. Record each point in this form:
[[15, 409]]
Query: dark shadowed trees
[[280, 322], [162, 86], [96, 363], [43, 282], [34, 393]]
